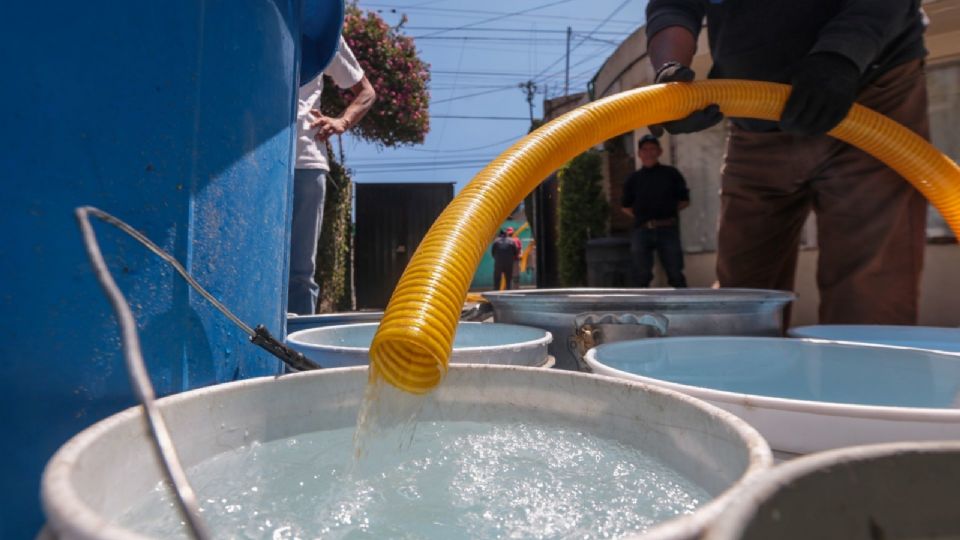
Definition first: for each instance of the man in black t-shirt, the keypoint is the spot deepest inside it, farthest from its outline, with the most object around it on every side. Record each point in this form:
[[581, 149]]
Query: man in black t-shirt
[[654, 195], [870, 221]]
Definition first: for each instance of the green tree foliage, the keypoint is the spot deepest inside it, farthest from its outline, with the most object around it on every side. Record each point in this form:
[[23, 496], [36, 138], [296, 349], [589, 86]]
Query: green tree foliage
[[401, 115], [582, 214], [334, 249]]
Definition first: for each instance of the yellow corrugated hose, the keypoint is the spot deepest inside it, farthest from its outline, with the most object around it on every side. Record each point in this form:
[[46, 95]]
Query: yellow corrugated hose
[[413, 345]]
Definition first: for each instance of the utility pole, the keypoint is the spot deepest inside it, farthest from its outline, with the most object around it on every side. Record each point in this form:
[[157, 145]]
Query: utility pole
[[530, 89], [566, 77]]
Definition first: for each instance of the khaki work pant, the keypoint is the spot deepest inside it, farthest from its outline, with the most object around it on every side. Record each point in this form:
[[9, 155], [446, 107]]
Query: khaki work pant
[[870, 221]]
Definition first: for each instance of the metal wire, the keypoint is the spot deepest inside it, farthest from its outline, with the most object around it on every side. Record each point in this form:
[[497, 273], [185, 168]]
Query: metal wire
[[260, 336], [163, 444], [103, 216]]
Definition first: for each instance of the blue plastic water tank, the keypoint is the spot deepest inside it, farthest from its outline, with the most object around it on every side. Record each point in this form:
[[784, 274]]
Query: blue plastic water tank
[[178, 118]]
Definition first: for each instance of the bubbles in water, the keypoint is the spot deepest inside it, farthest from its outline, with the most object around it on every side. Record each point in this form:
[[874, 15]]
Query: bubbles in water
[[452, 480]]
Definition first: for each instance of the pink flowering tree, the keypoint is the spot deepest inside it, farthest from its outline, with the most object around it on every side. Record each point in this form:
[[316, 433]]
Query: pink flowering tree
[[400, 116]]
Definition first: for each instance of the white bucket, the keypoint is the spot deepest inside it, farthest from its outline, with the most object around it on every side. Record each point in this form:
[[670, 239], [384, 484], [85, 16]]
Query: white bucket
[[474, 343], [891, 491], [803, 395], [919, 337], [98, 474], [295, 323]]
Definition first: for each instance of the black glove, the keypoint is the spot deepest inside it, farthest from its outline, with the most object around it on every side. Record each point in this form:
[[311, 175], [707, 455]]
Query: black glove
[[824, 88], [698, 120]]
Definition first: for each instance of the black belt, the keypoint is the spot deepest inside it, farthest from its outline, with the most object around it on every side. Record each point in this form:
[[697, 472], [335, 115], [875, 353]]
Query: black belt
[[657, 223]]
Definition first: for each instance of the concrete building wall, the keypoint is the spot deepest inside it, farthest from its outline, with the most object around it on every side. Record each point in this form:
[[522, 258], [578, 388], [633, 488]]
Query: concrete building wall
[[939, 290]]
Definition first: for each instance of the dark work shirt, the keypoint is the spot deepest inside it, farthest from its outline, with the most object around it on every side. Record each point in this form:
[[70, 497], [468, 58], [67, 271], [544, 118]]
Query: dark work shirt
[[762, 40], [504, 250], [654, 193]]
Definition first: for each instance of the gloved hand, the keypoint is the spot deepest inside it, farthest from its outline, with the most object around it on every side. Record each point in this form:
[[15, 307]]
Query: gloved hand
[[824, 88], [698, 120]]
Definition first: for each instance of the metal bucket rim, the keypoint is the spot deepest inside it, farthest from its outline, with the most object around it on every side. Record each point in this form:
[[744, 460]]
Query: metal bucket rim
[[826, 408], [295, 337], [321, 317], [762, 487], [651, 296], [62, 503]]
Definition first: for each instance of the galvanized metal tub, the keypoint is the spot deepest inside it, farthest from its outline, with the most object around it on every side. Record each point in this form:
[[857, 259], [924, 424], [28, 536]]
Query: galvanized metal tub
[[474, 343], [889, 492], [920, 337], [100, 472], [687, 312], [295, 323], [803, 395]]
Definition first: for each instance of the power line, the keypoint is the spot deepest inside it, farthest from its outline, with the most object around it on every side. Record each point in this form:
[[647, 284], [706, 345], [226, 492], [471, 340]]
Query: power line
[[421, 162], [369, 170], [519, 30], [527, 40], [456, 150], [459, 156], [485, 13], [491, 38], [465, 96], [607, 41], [468, 87], [456, 81], [588, 73], [483, 74], [465, 117], [477, 73], [481, 49], [602, 23], [498, 17]]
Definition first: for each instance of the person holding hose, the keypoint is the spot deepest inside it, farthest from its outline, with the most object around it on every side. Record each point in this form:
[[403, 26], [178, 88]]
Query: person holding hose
[[871, 222]]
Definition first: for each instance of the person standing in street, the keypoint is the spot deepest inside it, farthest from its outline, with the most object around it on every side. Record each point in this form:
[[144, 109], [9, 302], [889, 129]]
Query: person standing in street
[[654, 196], [312, 168], [516, 260], [504, 251]]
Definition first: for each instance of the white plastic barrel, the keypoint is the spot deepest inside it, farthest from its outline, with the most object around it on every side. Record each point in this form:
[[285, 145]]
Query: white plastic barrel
[[95, 476]]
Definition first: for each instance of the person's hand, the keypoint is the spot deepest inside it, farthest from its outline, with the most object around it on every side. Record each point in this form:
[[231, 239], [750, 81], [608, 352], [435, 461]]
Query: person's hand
[[824, 88], [697, 120], [326, 126]]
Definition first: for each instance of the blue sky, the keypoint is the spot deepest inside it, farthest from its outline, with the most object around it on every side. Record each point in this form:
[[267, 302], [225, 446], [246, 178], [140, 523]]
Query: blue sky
[[479, 52]]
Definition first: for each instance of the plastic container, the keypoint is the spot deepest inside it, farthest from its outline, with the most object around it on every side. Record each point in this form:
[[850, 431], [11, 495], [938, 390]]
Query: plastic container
[[921, 337], [609, 262], [179, 119], [746, 312], [891, 492], [295, 323], [803, 395], [99, 472], [475, 343]]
